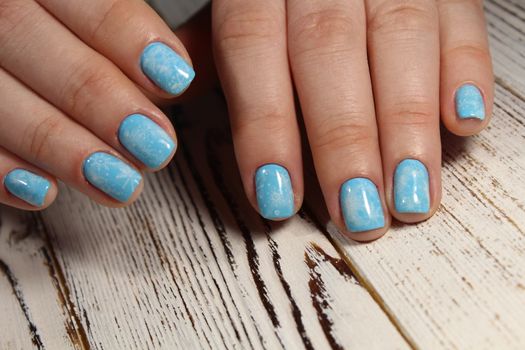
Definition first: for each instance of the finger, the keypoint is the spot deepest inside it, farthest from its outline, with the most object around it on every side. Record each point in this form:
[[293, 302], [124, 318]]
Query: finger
[[250, 48], [403, 41], [467, 82], [327, 42], [131, 35], [84, 85], [24, 186], [42, 135]]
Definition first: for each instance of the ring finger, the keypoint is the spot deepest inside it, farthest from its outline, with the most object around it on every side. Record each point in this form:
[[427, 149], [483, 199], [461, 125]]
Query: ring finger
[[403, 42]]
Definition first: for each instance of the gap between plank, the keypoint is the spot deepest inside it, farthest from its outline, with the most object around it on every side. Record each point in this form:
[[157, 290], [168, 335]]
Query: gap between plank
[[76, 331], [363, 281]]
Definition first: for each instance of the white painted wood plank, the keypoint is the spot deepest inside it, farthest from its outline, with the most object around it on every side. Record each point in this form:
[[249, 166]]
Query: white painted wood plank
[[458, 280], [178, 269], [206, 272], [34, 310]]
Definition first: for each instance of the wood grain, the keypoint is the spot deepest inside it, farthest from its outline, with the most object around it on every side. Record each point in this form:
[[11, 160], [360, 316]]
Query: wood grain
[[192, 266], [458, 280], [35, 308]]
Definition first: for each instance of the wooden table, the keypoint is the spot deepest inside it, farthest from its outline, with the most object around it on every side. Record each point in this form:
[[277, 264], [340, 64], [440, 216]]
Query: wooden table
[[192, 266]]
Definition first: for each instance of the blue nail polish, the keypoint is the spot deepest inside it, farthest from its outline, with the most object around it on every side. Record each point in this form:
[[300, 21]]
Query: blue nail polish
[[274, 192], [469, 102], [146, 140], [166, 68], [361, 206], [111, 175], [411, 187], [27, 186]]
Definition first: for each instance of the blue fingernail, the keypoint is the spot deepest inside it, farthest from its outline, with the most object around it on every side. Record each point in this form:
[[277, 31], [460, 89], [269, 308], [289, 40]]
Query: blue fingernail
[[146, 140], [27, 186], [274, 192], [111, 175], [469, 102], [411, 187], [361, 206], [166, 68]]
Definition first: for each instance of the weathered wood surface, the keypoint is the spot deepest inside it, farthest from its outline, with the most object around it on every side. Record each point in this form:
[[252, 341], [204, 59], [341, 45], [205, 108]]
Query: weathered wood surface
[[190, 265]]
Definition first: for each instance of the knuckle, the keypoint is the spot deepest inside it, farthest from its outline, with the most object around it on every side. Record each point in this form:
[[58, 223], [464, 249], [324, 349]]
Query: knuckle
[[475, 51], [322, 29], [403, 16], [478, 3], [115, 9], [242, 29], [262, 120], [415, 113], [84, 87], [343, 132], [39, 137]]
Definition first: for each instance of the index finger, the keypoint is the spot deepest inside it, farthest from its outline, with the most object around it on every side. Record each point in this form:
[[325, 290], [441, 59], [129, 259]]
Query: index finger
[[134, 37]]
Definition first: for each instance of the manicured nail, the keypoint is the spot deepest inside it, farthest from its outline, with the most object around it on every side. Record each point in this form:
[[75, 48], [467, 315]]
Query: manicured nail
[[469, 102], [274, 192], [361, 206], [411, 187], [111, 175], [27, 186], [146, 140], [166, 68]]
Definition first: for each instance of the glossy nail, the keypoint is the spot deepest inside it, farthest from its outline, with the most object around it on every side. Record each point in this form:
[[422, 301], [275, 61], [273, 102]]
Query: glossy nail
[[411, 187], [146, 140], [361, 205], [27, 186], [469, 102], [111, 175], [166, 68], [274, 192]]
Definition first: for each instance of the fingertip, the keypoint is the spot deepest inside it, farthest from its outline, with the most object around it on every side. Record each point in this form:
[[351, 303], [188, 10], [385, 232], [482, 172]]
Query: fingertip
[[275, 197], [366, 236], [414, 193], [171, 72], [471, 112], [151, 141], [466, 127]]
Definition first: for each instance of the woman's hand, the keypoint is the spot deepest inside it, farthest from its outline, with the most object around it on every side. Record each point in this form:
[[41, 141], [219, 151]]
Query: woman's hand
[[74, 76], [373, 78]]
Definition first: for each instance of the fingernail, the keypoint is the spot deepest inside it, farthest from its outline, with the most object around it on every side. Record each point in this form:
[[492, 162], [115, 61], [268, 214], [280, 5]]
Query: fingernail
[[146, 140], [469, 102], [361, 206], [166, 68], [27, 186], [111, 175], [274, 192], [411, 187]]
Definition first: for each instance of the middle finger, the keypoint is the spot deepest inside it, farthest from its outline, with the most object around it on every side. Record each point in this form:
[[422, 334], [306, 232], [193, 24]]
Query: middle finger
[[403, 43], [327, 45]]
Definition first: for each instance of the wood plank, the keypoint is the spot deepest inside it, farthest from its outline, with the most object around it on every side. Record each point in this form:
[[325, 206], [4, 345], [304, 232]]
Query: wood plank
[[506, 27], [35, 310], [458, 280], [192, 265]]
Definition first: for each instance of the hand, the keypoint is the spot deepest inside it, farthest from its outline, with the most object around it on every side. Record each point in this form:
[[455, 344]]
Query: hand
[[74, 76], [372, 79]]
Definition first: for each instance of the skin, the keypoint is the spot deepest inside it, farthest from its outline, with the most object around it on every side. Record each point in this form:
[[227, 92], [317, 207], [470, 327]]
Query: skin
[[373, 78]]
